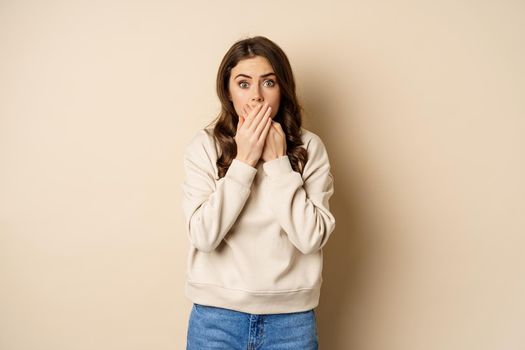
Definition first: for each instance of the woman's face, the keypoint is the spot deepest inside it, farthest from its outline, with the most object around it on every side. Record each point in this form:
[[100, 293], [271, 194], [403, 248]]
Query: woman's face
[[253, 82]]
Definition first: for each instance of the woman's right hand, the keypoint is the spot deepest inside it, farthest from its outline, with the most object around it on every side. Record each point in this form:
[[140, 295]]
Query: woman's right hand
[[251, 134]]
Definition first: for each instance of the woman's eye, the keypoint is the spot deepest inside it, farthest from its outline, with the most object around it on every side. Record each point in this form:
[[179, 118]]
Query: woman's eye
[[270, 82]]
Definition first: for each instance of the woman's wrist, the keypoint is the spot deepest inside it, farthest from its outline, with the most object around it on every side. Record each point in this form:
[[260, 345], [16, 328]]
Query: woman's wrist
[[250, 163]]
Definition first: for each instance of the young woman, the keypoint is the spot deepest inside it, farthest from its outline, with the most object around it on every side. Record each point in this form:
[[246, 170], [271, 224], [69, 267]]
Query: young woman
[[255, 201]]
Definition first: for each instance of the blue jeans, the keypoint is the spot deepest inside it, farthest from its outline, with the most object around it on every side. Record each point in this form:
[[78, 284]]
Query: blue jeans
[[217, 328]]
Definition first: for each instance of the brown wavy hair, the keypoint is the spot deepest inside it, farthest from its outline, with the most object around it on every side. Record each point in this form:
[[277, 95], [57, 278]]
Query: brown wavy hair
[[289, 114]]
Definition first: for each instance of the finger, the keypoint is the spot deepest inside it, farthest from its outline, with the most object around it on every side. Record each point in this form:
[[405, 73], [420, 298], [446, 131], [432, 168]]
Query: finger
[[279, 131], [245, 110], [280, 128], [275, 126], [276, 135], [249, 117], [259, 117], [266, 129], [248, 109], [265, 118], [240, 123]]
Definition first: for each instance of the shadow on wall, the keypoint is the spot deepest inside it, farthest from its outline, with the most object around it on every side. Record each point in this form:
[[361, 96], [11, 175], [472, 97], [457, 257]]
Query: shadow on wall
[[350, 246]]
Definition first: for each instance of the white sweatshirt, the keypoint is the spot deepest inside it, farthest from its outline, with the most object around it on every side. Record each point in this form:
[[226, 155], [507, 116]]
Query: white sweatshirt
[[256, 235]]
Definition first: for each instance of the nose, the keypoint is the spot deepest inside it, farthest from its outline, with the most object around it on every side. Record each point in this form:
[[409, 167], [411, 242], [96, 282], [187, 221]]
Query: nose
[[257, 96]]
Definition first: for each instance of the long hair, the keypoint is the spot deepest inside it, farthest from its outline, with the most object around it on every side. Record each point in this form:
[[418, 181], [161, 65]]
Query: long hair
[[289, 114]]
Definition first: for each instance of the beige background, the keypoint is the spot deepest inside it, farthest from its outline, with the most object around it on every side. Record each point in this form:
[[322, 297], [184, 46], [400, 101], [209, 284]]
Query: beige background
[[420, 104]]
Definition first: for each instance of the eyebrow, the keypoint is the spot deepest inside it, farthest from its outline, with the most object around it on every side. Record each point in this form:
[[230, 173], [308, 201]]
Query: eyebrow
[[247, 76]]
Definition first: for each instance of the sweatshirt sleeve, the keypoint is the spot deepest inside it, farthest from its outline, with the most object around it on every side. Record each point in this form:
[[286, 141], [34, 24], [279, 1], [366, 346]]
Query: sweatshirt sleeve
[[211, 206], [302, 206]]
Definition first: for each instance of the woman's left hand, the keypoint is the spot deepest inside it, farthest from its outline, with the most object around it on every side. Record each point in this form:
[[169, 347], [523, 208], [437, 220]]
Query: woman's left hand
[[275, 144]]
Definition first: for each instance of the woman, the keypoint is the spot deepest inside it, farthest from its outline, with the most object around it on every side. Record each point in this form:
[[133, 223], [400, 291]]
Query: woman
[[255, 201]]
